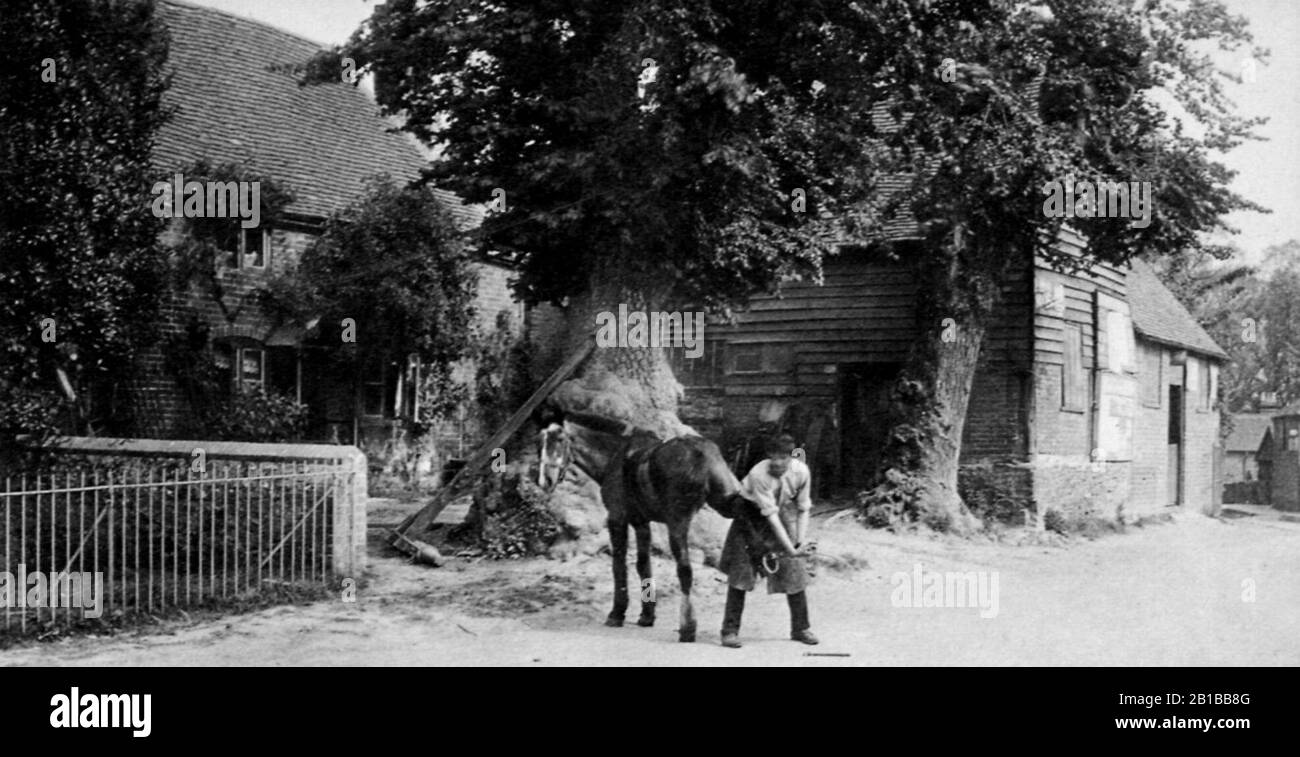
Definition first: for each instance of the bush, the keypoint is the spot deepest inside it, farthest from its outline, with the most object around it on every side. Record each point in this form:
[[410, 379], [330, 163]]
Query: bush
[[1053, 520], [256, 417], [521, 525]]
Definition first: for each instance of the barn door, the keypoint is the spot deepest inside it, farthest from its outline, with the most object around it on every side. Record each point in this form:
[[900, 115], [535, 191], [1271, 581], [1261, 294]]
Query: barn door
[[864, 419]]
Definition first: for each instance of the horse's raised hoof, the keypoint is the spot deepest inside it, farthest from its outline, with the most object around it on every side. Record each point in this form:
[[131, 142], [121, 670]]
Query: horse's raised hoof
[[686, 636], [614, 621]]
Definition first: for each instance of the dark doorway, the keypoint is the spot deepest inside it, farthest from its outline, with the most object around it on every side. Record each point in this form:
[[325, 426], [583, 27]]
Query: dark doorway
[[1175, 441], [864, 419]]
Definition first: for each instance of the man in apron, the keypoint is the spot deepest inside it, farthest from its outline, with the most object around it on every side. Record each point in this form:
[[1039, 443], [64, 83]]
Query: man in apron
[[779, 489]]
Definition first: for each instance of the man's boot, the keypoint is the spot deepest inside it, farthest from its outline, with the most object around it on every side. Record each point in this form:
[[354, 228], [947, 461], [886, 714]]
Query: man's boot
[[799, 625], [731, 618]]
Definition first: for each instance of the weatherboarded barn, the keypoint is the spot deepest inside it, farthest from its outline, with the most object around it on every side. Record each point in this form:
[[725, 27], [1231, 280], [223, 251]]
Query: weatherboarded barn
[[1094, 395]]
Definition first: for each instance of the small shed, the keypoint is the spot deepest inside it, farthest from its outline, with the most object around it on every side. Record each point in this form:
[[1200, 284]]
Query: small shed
[[1247, 464], [1284, 489], [1250, 431]]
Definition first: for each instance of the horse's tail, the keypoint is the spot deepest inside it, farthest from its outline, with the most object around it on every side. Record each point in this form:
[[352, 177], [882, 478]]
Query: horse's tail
[[721, 484]]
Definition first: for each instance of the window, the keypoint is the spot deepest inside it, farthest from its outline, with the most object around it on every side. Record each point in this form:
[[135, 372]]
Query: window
[[1074, 390], [254, 248], [382, 388], [746, 359], [250, 369], [701, 371], [247, 248], [1152, 378]]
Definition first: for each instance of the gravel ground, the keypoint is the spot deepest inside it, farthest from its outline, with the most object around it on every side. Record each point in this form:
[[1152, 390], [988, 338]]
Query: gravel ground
[[1192, 591]]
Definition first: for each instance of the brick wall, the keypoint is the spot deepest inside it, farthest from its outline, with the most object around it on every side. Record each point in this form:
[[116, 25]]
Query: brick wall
[[1065, 476], [1201, 432]]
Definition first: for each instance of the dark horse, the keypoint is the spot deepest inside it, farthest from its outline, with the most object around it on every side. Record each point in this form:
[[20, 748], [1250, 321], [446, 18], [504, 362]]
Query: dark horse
[[644, 479]]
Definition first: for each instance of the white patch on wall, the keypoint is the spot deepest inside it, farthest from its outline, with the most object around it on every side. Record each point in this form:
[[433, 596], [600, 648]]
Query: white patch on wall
[[1117, 407]]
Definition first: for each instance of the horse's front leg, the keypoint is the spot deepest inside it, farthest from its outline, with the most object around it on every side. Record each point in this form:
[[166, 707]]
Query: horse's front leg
[[682, 554], [645, 572], [618, 545]]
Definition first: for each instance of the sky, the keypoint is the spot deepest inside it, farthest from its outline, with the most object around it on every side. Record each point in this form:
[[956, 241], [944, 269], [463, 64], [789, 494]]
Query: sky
[[1267, 172]]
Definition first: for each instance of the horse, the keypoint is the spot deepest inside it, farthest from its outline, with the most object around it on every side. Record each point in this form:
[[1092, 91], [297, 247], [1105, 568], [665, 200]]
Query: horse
[[644, 479]]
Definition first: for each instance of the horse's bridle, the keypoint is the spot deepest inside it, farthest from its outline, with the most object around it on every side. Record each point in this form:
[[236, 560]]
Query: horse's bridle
[[567, 457]]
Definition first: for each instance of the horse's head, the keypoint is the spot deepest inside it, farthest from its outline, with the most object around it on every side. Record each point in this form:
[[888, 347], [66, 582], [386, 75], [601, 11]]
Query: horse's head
[[555, 454], [593, 443]]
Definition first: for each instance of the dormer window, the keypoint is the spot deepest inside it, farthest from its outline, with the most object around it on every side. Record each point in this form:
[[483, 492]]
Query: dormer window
[[246, 248], [254, 248]]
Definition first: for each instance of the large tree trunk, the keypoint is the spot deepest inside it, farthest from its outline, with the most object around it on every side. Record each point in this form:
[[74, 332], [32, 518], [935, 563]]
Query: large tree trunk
[[633, 383], [917, 478]]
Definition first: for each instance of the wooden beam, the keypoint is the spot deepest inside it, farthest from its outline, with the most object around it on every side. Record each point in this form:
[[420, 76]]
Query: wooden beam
[[419, 521]]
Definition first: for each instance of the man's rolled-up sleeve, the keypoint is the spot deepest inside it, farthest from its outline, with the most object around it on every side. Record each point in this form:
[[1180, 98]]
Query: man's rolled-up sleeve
[[804, 500]]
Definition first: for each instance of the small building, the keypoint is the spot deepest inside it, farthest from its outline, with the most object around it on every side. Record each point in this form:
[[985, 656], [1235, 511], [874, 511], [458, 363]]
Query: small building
[[1243, 449], [1284, 486], [1094, 394], [238, 99]]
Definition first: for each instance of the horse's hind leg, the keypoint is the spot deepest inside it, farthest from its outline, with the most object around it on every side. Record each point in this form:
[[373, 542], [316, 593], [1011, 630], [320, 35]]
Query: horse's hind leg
[[618, 545], [682, 554], [645, 572]]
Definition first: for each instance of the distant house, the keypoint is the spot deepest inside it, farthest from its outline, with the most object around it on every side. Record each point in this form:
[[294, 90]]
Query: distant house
[[237, 99], [1094, 390], [1241, 450]]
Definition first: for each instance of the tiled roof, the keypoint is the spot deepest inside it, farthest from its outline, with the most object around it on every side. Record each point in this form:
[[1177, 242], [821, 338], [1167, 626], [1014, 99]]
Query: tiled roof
[[1248, 431], [1160, 317], [237, 99]]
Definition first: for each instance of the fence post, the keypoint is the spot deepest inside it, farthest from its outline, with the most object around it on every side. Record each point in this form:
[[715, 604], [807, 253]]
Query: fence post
[[350, 517]]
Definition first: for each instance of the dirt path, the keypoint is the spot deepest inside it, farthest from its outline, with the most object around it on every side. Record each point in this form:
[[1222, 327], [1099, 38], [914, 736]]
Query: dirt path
[[1168, 594]]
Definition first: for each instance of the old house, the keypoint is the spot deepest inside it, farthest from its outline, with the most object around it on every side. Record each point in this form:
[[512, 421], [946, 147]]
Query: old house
[[237, 98], [1094, 395]]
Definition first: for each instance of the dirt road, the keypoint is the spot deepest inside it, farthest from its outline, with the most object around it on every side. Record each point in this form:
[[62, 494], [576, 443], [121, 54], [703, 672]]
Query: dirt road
[[1196, 591]]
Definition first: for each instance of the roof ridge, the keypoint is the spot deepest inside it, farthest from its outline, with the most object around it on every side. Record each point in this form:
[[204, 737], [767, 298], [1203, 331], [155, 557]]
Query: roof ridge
[[189, 4]]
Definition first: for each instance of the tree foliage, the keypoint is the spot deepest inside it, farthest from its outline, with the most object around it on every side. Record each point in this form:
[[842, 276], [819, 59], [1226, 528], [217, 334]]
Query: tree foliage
[[1254, 314], [686, 186], [390, 276], [79, 108]]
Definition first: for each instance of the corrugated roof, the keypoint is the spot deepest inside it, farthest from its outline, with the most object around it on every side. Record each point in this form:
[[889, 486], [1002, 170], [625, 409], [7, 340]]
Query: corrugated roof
[[1248, 431], [1160, 317], [237, 99]]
